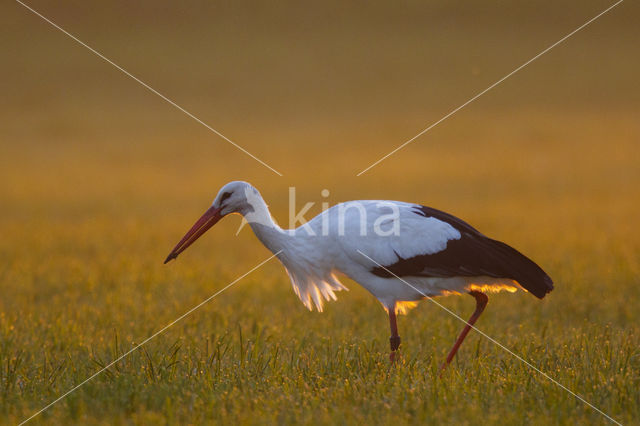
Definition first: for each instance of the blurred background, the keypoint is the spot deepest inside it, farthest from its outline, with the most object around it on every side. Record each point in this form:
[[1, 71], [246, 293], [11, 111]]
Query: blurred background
[[319, 92], [99, 177], [94, 166]]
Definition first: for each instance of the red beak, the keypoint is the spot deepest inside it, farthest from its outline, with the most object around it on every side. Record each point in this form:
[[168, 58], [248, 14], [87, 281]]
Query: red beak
[[208, 219]]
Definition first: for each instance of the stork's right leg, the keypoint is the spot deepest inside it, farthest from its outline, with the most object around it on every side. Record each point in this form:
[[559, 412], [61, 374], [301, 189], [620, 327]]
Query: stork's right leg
[[395, 339], [481, 303]]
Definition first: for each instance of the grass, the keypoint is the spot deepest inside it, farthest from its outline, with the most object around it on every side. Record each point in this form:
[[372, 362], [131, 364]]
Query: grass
[[99, 179], [83, 281]]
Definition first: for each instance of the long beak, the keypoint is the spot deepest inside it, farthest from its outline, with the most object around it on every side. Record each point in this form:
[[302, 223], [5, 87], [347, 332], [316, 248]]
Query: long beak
[[208, 219]]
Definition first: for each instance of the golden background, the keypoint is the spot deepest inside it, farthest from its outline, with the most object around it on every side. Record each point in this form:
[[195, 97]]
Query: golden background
[[99, 177]]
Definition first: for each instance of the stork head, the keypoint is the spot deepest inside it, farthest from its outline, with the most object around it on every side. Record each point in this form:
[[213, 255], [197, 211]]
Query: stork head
[[234, 197]]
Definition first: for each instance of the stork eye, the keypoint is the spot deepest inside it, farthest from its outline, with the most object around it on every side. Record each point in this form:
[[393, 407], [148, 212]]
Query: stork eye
[[224, 197]]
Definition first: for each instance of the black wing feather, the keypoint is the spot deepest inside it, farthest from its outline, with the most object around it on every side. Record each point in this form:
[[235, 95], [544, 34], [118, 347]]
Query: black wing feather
[[474, 254]]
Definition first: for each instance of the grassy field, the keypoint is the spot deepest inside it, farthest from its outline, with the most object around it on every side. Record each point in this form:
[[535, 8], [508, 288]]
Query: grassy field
[[99, 179]]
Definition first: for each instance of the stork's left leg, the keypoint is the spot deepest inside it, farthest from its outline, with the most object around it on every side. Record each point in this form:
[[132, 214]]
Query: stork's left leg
[[394, 340], [481, 303]]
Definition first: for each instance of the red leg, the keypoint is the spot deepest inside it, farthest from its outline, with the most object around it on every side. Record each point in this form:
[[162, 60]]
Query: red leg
[[481, 303], [395, 339]]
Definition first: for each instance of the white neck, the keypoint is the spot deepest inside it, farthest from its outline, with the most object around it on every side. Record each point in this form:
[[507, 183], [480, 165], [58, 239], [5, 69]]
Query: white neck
[[268, 232], [310, 269]]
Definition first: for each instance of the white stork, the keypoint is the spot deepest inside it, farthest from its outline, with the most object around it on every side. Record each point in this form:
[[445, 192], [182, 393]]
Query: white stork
[[400, 252]]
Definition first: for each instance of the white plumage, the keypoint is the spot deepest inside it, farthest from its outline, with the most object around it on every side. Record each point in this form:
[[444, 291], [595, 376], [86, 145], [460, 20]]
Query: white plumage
[[400, 252]]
